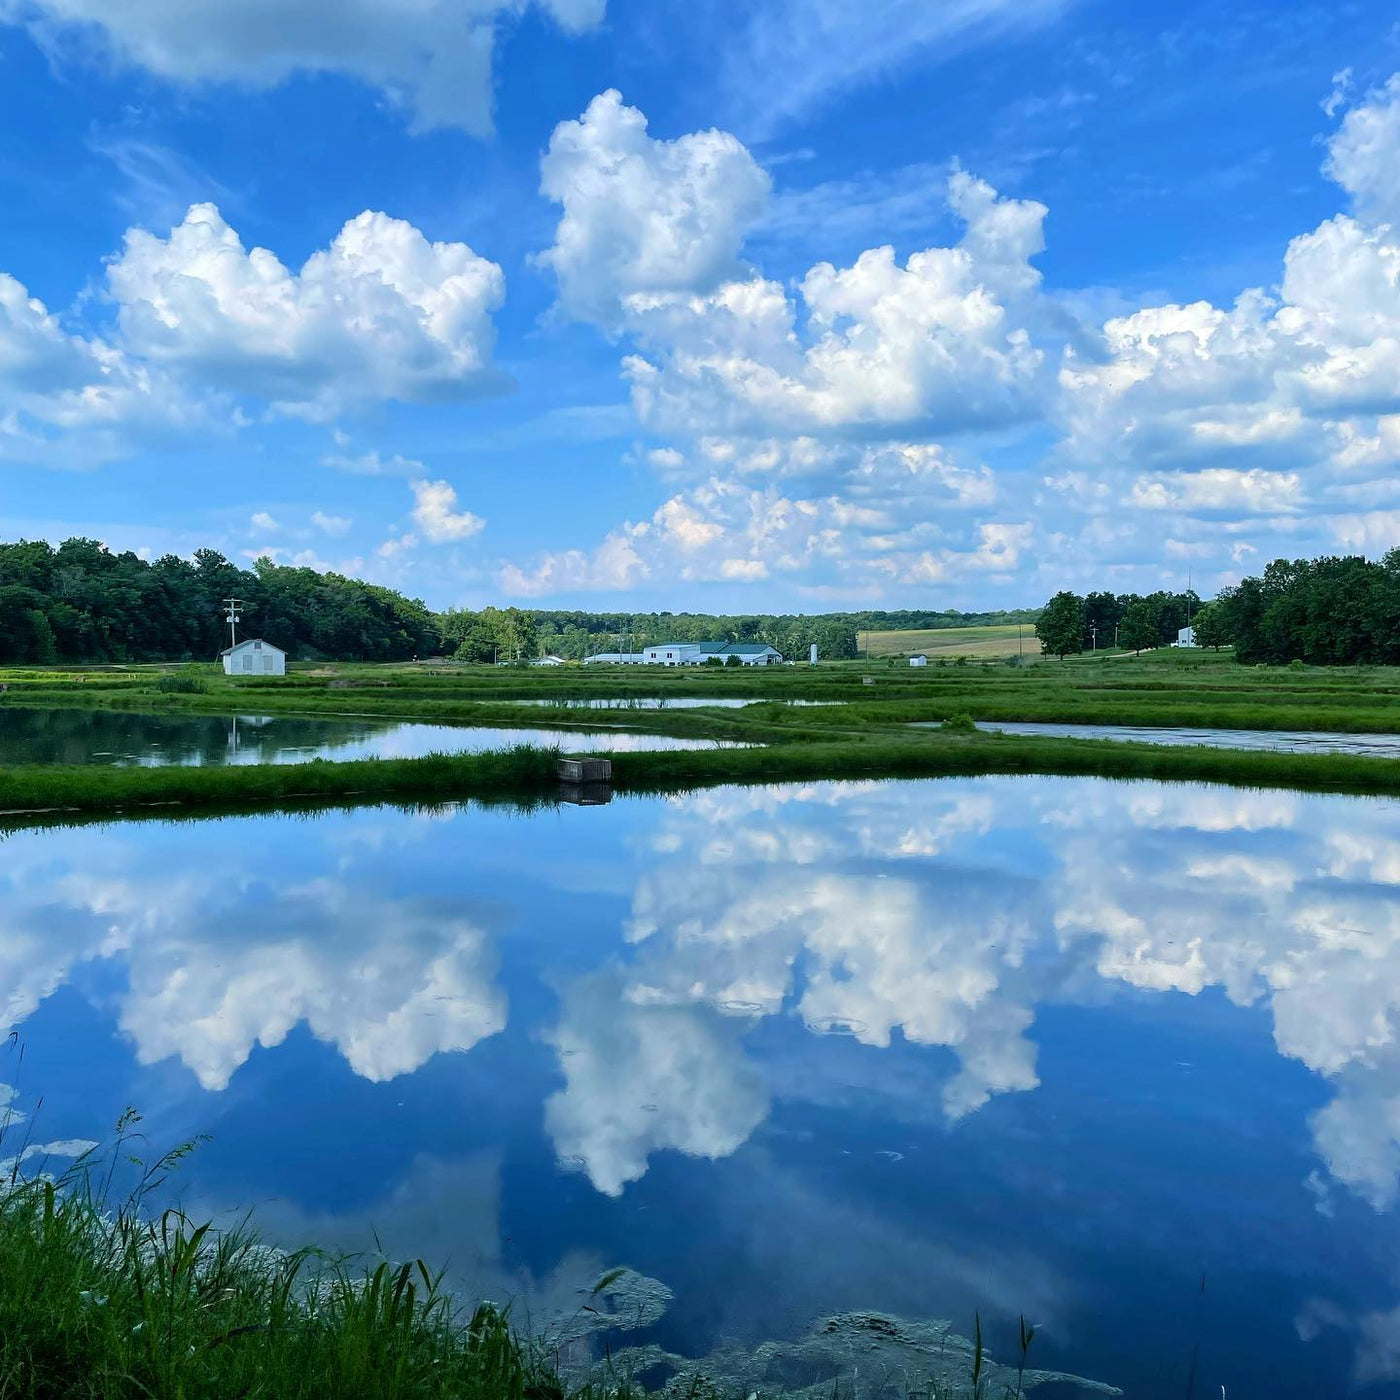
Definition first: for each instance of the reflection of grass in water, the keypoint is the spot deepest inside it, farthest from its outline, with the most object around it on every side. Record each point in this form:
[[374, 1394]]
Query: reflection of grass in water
[[525, 776], [99, 1297]]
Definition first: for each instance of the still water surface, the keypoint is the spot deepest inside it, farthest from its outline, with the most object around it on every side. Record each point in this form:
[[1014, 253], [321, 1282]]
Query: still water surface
[[1278, 740], [161, 741], [1060, 1047]]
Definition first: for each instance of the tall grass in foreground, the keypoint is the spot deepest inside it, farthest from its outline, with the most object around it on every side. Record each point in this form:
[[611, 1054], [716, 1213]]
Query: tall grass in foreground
[[103, 1298], [99, 1299]]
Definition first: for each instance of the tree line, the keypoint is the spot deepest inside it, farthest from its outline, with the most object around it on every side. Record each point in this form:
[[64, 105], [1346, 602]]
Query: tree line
[[1334, 611], [80, 601], [511, 633], [1069, 624]]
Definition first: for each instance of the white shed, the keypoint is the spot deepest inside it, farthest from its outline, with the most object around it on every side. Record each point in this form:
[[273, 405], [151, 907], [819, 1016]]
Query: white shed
[[1185, 638], [254, 657], [919, 660]]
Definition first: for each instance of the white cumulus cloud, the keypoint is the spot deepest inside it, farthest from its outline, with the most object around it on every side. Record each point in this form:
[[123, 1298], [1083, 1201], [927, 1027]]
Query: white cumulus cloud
[[380, 314], [641, 215], [436, 514]]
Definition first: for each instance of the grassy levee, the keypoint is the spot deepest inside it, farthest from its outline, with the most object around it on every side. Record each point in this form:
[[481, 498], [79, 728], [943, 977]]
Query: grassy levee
[[1197, 707], [521, 772], [949, 755], [528, 777]]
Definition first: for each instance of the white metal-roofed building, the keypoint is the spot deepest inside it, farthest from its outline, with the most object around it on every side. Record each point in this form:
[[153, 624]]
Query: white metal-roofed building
[[698, 653], [751, 653], [674, 654], [254, 657]]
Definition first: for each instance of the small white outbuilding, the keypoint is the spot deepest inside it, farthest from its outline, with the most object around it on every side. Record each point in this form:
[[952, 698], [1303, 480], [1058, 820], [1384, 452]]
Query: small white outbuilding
[[1186, 637], [918, 660], [254, 657]]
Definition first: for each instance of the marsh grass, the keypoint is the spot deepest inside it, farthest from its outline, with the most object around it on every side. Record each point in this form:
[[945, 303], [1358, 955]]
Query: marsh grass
[[520, 773], [106, 1294], [1157, 689], [526, 777], [99, 1297]]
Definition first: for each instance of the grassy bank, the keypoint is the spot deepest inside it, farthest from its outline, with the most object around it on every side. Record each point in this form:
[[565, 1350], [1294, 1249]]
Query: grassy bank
[[511, 774], [99, 1301], [107, 1296], [527, 776]]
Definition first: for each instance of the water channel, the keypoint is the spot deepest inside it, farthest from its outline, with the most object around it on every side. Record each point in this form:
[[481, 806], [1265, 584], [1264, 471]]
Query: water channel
[[1276, 740], [157, 741]]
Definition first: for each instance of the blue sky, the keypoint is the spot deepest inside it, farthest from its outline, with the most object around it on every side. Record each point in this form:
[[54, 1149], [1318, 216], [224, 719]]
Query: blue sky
[[788, 305]]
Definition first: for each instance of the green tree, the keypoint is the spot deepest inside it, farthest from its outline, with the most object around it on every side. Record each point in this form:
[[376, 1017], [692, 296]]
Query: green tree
[[1060, 625], [1101, 614], [1139, 630], [1210, 625]]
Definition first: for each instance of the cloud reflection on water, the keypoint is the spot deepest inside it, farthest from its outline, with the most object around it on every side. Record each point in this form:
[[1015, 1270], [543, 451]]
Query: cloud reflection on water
[[947, 914]]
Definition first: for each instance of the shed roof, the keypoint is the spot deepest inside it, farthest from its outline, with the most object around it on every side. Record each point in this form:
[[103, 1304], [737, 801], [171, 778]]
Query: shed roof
[[247, 642]]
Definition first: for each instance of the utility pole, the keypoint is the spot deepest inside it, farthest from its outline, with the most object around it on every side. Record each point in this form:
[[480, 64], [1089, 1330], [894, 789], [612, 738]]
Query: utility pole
[[233, 611], [1093, 636]]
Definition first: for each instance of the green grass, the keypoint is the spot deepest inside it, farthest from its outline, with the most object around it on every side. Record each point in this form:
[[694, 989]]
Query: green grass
[[527, 777], [101, 1301], [515, 774], [866, 733], [1160, 688], [106, 1293]]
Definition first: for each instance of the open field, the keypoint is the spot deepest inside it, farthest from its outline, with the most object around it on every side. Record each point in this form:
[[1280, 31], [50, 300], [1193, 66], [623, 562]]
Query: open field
[[953, 641]]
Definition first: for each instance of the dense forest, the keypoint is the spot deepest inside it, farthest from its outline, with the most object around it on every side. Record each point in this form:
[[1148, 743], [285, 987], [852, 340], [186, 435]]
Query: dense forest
[[1069, 624], [1330, 611], [81, 602]]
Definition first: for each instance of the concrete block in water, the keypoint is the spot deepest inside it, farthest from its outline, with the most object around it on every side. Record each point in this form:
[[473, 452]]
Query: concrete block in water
[[585, 770]]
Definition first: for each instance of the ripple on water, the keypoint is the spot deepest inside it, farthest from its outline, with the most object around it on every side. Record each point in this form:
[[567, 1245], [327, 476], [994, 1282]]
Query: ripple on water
[[836, 1025]]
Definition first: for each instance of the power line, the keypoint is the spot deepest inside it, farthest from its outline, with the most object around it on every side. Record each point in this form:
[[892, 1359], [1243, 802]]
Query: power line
[[233, 611]]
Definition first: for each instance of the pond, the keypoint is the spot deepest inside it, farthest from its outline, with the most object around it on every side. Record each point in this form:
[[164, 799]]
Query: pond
[[1064, 1048], [1278, 740], [159, 741]]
